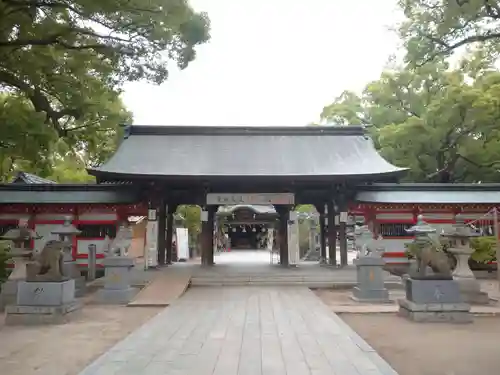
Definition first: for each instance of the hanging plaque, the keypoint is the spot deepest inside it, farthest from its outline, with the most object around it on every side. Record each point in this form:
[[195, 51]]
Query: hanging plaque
[[257, 199]]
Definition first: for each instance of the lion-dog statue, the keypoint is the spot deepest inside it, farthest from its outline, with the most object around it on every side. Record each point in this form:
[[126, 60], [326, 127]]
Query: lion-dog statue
[[438, 261], [47, 265]]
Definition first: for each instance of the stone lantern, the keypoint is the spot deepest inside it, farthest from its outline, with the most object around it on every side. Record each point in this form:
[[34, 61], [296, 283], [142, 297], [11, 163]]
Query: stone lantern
[[18, 252], [421, 230], [20, 255], [459, 245], [66, 233]]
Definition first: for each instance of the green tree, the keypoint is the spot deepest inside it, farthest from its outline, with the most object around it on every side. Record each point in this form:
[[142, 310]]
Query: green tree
[[30, 145], [192, 221], [5, 261], [435, 28], [26, 142], [66, 55], [69, 168], [440, 123]]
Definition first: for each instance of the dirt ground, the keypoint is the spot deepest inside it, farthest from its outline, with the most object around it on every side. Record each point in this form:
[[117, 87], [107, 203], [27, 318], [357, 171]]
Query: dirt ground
[[434, 348], [67, 349], [425, 349]]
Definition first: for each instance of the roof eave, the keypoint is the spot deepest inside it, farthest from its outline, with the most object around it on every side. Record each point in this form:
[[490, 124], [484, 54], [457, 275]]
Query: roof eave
[[103, 174]]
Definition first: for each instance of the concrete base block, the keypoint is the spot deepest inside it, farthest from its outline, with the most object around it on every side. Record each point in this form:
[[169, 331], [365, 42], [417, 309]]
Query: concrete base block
[[432, 291], [116, 296], [80, 286], [371, 295], [40, 315], [45, 293], [476, 298], [435, 312], [470, 291], [8, 295]]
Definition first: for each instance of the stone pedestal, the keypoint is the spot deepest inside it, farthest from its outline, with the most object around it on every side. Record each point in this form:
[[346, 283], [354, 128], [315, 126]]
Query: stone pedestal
[[8, 295], [117, 289], [370, 280], [467, 282], [43, 302], [470, 290], [434, 300]]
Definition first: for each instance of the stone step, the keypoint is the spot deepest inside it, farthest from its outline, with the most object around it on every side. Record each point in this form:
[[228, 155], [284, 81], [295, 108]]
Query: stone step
[[337, 284], [310, 284], [263, 280]]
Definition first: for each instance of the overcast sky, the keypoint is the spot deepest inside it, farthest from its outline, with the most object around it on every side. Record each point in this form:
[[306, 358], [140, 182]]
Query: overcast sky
[[271, 62]]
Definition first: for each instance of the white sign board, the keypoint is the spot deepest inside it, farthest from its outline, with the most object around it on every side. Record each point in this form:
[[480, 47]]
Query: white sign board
[[204, 216], [182, 242], [151, 247], [151, 214], [293, 243], [251, 199], [270, 239]]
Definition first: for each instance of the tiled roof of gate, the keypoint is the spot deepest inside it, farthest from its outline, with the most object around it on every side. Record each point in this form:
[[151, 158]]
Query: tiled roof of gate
[[207, 151], [429, 193]]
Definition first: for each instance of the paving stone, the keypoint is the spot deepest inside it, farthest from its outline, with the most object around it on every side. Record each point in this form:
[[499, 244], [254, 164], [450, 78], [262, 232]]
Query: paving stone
[[243, 331]]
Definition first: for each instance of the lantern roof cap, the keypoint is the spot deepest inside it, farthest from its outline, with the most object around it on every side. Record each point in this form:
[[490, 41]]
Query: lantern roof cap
[[21, 233], [66, 228], [460, 229], [421, 227]]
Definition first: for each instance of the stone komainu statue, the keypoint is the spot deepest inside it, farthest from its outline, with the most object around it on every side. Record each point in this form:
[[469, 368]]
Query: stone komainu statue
[[438, 261], [47, 265]]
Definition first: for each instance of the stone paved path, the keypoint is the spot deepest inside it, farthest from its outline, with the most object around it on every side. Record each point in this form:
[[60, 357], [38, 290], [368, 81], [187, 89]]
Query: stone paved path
[[243, 331]]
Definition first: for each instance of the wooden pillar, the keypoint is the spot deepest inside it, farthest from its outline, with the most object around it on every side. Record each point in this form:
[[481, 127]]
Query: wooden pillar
[[343, 243], [207, 241], [322, 231], [343, 234], [162, 227], [283, 212], [332, 234], [170, 230]]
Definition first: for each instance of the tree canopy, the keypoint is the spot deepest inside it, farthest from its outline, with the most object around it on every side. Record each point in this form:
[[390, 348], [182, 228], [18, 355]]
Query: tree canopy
[[62, 64], [30, 145], [441, 123], [437, 28]]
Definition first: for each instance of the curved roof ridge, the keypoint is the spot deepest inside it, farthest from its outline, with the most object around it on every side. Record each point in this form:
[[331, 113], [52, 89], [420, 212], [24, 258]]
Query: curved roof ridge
[[241, 130]]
